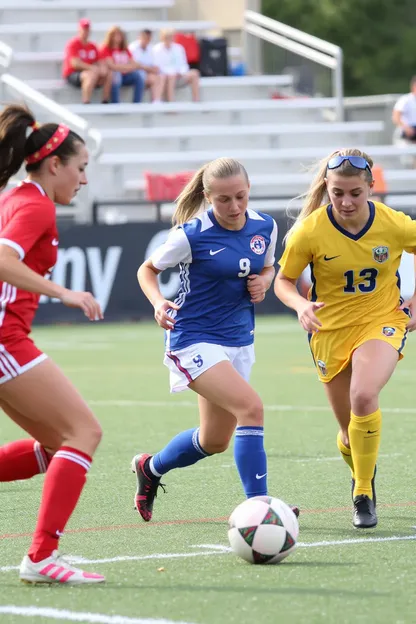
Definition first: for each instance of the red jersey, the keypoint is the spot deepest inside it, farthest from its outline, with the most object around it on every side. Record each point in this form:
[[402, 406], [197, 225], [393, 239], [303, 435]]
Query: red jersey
[[28, 225], [87, 52], [120, 57]]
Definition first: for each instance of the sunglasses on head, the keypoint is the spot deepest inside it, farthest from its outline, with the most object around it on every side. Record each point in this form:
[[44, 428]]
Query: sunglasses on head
[[356, 161]]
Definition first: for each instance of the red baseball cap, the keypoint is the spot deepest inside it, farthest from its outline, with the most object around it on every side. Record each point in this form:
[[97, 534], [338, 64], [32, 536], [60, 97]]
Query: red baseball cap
[[84, 22]]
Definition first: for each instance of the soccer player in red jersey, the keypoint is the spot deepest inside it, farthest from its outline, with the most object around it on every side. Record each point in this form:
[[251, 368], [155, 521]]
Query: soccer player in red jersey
[[34, 392]]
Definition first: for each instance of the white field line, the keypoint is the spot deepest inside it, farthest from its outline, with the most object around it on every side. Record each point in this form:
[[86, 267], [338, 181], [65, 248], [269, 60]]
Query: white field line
[[270, 408], [220, 549], [79, 616], [329, 459]]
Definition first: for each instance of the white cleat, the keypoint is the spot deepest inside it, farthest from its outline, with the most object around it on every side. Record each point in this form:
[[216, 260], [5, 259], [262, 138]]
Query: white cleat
[[55, 569]]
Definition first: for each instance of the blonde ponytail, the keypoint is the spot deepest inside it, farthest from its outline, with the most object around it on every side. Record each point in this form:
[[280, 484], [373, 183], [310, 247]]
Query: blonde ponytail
[[188, 203], [316, 195], [192, 198]]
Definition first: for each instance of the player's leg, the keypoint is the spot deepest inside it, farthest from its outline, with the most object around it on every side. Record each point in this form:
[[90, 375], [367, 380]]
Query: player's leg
[[23, 459], [372, 366], [47, 399], [338, 394]]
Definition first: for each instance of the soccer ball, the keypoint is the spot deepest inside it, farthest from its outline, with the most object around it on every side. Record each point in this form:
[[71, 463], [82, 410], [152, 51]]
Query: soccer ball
[[263, 530]]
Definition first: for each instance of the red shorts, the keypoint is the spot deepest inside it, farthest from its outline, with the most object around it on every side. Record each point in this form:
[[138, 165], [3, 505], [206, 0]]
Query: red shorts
[[17, 356]]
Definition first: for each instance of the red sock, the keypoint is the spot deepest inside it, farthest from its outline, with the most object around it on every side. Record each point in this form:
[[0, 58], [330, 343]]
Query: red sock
[[64, 482], [22, 459]]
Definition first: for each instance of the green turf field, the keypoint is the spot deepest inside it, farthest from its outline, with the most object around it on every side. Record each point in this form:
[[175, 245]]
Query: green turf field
[[176, 569]]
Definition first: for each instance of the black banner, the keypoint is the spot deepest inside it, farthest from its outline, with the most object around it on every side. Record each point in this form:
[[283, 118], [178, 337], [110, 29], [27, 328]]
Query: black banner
[[104, 260]]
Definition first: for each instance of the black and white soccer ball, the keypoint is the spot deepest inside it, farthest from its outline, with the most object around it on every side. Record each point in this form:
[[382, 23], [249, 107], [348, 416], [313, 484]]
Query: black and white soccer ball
[[263, 529]]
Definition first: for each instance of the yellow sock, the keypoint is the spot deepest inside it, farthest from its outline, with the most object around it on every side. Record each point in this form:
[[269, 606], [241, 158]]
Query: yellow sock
[[345, 453], [364, 435]]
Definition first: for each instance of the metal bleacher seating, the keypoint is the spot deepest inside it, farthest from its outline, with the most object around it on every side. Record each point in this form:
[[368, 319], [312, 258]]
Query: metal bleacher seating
[[258, 119]]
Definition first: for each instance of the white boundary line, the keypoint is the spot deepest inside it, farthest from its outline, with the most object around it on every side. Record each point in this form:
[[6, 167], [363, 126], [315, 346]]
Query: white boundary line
[[270, 408], [79, 616], [220, 549]]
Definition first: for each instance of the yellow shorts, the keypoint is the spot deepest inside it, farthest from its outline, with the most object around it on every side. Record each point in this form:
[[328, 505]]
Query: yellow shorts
[[332, 350]]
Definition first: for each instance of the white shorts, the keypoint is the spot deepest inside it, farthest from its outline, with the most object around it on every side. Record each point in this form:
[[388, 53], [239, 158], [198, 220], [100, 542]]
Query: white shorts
[[187, 364]]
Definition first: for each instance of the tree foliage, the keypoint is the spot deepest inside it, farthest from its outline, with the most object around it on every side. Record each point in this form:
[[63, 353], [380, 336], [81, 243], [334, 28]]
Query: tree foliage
[[378, 38]]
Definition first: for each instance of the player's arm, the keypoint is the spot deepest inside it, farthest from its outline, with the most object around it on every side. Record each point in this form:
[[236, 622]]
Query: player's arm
[[14, 272], [175, 250]]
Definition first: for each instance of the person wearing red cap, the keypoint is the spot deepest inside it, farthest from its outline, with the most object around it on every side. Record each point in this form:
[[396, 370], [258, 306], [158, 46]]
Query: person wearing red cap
[[82, 66], [34, 392]]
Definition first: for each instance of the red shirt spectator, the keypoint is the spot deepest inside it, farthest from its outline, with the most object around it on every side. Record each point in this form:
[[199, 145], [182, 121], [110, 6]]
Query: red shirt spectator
[[86, 52], [120, 57]]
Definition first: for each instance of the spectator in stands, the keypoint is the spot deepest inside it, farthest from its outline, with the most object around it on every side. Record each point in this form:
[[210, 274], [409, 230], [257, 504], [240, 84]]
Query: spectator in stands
[[404, 114], [119, 59], [82, 65], [170, 57], [142, 52]]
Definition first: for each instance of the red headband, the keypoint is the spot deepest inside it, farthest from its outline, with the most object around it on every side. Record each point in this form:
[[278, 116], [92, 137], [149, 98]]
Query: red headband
[[52, 144]]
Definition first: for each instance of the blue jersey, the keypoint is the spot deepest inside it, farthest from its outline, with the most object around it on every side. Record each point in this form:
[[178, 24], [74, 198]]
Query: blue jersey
[[214, 264]]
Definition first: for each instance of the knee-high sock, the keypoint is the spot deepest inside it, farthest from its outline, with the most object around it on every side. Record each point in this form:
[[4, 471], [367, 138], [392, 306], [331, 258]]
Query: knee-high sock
[[251, 460], [364, 435], [183, 450], [345, 453], [22, 459], [64, 481]]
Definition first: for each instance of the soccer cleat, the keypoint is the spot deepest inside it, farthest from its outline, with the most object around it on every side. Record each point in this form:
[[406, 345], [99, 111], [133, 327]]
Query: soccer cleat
[[295, 510], [147, 486], [373, 487], [364, 515], [55, 569]]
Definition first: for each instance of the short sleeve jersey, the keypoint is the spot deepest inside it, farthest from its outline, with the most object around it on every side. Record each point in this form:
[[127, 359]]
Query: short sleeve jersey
[[214, 264], [28, 225], [355, 275]]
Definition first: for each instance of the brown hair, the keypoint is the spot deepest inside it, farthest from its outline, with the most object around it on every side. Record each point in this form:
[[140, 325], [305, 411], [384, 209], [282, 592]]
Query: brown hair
[[15, 147], [109, 37], [317, 193], [189, 202]]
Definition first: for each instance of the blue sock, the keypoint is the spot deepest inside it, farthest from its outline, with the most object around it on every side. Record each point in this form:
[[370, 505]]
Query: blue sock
[[251, 460], [183, 450]]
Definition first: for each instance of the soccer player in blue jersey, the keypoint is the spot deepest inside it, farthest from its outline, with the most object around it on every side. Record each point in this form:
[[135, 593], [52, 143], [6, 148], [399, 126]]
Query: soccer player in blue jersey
[[226, 259]]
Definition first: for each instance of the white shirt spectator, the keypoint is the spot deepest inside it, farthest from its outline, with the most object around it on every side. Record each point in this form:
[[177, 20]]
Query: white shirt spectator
[[406, 105], [142, 55], [171, 60]]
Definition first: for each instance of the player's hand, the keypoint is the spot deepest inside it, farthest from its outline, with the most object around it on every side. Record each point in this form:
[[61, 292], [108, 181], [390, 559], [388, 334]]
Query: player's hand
[[256, 286], [307, 317], [410, 304], [161, 313], [85, 301]]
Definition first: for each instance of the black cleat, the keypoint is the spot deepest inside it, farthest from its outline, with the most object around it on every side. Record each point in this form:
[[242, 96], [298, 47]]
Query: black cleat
[[147, 486], [295, 510], [373, 487], [364, 515]]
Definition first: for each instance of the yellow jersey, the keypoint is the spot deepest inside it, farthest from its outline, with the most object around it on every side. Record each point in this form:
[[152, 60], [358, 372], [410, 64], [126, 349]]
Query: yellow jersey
[[355, 275]]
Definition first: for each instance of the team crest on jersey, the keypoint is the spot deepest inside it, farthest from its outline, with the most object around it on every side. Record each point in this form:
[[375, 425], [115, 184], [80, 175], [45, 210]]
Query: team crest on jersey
[[381, 254], [322, 368], [389, 331], [258, 244]]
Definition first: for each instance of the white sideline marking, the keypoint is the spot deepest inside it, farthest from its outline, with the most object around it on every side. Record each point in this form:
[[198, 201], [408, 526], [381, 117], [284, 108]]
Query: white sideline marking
[[79, 616], [270, 408], [221, 549]]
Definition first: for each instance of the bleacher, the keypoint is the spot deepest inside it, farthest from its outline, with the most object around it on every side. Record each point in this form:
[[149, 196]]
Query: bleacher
[[259, 119]]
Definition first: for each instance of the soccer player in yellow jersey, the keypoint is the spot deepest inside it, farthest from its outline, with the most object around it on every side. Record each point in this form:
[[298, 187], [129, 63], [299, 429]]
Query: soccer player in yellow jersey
[[355, 318]]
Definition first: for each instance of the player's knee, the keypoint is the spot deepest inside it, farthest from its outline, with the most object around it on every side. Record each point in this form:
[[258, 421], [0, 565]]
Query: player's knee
[[252, 415], [215, 447], [362, 399]]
